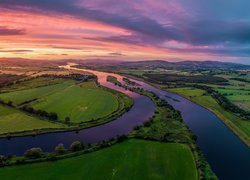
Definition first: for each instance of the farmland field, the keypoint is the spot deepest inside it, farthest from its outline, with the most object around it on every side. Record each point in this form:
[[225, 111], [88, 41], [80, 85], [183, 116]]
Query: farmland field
[[12, 120], [132, 159], [80, 102]]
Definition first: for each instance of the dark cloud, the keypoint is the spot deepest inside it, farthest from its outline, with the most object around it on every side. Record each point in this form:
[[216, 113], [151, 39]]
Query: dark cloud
[[65, 47], [16, 51], [215, 32], [6, 31], [139, 24], [124, 39], [117, 54]]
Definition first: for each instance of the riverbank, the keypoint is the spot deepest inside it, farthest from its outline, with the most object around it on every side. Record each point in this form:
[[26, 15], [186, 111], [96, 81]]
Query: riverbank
[[236, 130]]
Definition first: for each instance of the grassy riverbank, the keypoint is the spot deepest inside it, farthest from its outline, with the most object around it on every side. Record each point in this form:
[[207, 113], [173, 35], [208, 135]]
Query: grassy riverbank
[[240, 127]]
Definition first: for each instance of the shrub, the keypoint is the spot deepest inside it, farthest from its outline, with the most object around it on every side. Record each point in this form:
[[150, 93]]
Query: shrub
[[121, 138], [20, 161], [10, 103], [53, 116], [76, 146], [33, 153], [67, 120], [51, 157], [60, 149], [3, 160]]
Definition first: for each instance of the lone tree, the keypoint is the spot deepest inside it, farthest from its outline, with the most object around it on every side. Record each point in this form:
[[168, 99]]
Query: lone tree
[[3, 160], [67, 119], [10, 103], [60, 149], [33, 153], [76, 146], [53, 116]]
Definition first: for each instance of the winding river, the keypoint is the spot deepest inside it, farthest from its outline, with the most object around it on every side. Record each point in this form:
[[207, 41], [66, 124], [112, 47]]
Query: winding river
[[228, 156]]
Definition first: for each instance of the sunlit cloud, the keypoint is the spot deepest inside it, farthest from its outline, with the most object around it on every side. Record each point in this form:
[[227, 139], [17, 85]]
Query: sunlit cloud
[[134, 30]]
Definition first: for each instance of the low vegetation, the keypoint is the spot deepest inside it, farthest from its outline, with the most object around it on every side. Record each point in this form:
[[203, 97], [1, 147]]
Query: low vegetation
[[129, 82], [114, 80]]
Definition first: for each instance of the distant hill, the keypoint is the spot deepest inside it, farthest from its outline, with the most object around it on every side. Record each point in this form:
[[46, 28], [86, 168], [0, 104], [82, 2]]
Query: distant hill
[[182, 65], [187, 65]]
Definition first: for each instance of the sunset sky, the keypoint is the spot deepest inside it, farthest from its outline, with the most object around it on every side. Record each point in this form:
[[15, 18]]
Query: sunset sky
[[126, 29]]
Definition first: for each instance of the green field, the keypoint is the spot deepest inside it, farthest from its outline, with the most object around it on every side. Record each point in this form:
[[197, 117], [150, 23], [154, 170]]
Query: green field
[[132, 159], [207, 101], [81, 102], [19, 96], [12, 120], [241, 98], [238, 92], [31, 83]]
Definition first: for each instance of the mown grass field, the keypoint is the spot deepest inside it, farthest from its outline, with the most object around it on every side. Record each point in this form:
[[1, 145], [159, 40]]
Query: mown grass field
[[19, 96], [132, 159], [81, 102], [207, 101], [12, 120]]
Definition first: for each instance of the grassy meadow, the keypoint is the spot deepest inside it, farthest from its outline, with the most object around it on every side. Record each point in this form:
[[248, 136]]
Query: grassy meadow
[[132, 159], [12, 120], [81, 102]]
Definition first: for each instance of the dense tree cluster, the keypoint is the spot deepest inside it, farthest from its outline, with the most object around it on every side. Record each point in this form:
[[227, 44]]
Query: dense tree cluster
[[74, 76], [174, 78], [50, 115], [9, 79], [240, 79], [129, 82], [224, 102]]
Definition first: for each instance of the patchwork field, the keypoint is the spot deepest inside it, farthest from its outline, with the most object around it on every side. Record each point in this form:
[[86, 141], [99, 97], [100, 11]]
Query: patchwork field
[[12, 120], [241, 98], [133, 159], [80, 102], [238, 90]]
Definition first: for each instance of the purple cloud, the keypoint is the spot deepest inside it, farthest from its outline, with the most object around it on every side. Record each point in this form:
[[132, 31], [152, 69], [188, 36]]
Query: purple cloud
[[6, 31]]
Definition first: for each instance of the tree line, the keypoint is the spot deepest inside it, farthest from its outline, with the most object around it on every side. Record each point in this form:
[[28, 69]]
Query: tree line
[[224, 102]]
